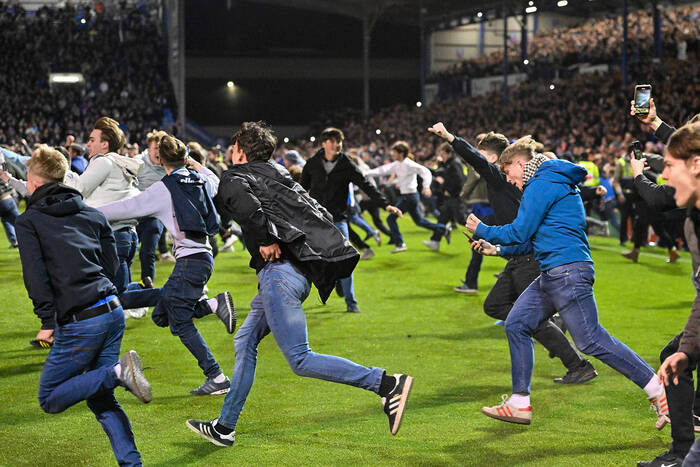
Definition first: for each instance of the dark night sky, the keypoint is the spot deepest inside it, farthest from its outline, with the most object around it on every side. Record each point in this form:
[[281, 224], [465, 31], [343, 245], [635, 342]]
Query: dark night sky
[[265, 31]]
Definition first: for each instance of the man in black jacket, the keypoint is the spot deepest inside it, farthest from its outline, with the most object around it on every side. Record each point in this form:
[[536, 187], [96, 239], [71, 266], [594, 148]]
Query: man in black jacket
[[327, 176], [292, 244], [69, 261], [452, 209], [520, 271]]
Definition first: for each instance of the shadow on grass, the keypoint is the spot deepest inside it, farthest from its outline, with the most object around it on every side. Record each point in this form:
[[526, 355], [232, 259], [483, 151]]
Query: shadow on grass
[[15, 334], [486, 332], [21, 369], [456, 395], [198, 448], [463, 451]]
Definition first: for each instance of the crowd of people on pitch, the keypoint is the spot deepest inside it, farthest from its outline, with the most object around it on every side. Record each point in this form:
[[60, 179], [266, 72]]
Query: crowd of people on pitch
[[120, 51], [595, 40], [530, 209]]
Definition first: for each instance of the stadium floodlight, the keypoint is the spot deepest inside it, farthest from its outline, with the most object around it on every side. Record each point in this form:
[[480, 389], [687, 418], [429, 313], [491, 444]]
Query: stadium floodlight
[[379, 132], [526, 62], [286, 140], [312, 139], [419, 104], [562, 3], [479, 14], [530, 3], [230, 84], [551, 87], [66, 78], [530, 9]]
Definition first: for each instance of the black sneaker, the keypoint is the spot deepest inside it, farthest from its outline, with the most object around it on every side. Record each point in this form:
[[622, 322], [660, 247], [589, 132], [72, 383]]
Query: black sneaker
[[225, 311], [339, 289], [448, 233], [207, 431], [210, 388], [132, 377], [395, 403], [580, 375], [147, 282], [667, 459], [353, 309]]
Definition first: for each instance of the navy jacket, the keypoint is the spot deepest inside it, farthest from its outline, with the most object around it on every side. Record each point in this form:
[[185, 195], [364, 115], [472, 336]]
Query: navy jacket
[[194, 208], [68, 253]]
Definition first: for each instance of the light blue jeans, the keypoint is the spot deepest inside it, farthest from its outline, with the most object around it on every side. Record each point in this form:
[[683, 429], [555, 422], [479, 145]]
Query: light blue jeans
[[568, 290], [346, 283], [277, 309]]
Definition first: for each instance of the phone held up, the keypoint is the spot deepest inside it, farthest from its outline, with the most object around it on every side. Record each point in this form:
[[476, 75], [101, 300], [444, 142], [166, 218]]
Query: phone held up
[[468, 236], [642, 95], [637, 149]]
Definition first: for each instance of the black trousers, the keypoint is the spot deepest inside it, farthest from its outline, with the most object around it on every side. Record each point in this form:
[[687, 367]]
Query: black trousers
[[515, 278], [471, 276], [452, 210], [356, 240], [681, 397], [372, 207]]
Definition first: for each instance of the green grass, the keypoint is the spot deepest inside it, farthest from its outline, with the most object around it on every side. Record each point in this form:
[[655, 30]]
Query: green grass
[[411, 322]]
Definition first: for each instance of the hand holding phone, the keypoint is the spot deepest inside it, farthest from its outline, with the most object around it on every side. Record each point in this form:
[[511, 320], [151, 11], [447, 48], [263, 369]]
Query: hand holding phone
[[642, 97]]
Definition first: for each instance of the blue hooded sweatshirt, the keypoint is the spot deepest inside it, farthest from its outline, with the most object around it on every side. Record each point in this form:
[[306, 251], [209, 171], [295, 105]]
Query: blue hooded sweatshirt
[[551, 218]]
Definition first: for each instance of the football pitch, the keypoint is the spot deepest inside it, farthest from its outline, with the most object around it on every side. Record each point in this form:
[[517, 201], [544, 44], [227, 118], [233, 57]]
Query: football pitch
[[411, 322]]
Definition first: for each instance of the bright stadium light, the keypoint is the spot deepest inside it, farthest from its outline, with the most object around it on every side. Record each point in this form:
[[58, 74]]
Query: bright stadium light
[[551, 87], [82, 21], [312, 139], [530, 3], [66, 78], [379, 132], [286, 140], [230, 84], [419, 104], [530, 9], [526, 62], [479, 14], [562, 3]]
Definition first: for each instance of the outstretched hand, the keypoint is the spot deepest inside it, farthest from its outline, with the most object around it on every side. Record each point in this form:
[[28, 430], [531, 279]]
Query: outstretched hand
[[440, 130]]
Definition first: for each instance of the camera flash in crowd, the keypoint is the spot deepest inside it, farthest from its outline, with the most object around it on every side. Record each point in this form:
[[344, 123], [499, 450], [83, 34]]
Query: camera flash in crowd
[[379, 132], [551, 87], [312, 139], [230, 84], [526, 62], [286, 140], [419, 104]]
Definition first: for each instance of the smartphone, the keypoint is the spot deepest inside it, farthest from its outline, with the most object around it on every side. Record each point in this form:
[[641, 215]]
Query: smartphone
[[3, 166], [642, 95], [468, 236], [637, 149]]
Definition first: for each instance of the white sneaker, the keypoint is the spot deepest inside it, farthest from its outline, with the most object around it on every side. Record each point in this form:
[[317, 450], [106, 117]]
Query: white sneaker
[[399, 248], [167, 257], [367, 253], [508, 413], [432, 244], [136, 313], [228, 244]]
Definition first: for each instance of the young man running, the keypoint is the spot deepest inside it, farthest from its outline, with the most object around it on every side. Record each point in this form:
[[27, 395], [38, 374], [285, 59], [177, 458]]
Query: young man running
[[69, 263], [292, 244], [182, 202], [551, 221], [521, 269]]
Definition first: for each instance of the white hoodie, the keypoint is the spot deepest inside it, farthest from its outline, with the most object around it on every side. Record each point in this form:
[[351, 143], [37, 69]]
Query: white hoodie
[[108, 178]]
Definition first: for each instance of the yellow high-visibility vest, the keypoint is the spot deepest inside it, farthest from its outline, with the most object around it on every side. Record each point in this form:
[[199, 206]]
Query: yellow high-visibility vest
[[593, 177]]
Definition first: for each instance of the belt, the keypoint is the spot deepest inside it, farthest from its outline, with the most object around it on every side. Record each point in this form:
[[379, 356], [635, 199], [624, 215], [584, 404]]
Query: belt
[[92, 312]]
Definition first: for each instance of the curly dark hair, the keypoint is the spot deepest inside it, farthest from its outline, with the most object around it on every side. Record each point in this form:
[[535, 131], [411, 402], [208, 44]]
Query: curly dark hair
[[256, 140]]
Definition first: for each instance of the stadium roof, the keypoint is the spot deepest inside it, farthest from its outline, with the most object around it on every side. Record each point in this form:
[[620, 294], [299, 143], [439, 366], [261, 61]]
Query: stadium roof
[[451, 13]]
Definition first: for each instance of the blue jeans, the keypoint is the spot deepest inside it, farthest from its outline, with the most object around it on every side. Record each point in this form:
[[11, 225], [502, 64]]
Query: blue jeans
[[277, 309], [346, 283], [149, 230], [357, 219], [410, 204], [178, 302], [568, 290], [127, 242], [9, 212], [80, 367]]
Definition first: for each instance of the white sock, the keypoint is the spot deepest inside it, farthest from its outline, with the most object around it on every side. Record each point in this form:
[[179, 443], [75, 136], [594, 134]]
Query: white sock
[[212, 304], [219, 379], [653, 387], [118, 370], [520, 401]]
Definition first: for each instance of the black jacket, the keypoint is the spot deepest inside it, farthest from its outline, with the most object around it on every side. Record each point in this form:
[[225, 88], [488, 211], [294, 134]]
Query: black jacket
[[331, 189], [452, 171], [504, 197], [68, 253], [271, 208]]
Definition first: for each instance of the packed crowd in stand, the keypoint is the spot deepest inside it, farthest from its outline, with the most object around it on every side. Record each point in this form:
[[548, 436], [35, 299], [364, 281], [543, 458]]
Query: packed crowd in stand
[[120, 50], [596, 40], [530, 179]]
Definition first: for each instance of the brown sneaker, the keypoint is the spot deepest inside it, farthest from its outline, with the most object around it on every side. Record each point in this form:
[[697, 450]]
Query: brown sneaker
[[633, 255], [508, 412], [660, 406], [673, 256]]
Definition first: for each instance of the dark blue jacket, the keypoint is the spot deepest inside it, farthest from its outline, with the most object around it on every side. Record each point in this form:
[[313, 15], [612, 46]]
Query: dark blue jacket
[[551, 216], [68, 253], [194, 208]]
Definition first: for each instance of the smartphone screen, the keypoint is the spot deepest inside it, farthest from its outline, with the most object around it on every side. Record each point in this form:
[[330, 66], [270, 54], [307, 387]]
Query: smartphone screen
[[642, 94]]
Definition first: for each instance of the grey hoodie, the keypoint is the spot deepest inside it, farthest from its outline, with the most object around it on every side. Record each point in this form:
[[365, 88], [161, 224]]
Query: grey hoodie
[[150, 173]]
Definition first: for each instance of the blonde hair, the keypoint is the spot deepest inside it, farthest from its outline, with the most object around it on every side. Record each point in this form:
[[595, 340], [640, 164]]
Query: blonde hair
[[47, 163], [155, 135], [525, 146]]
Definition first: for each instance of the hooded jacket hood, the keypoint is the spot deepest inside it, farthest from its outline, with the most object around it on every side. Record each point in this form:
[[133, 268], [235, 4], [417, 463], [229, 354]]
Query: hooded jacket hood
[[57, 200], [559, 171], [131, 165]]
